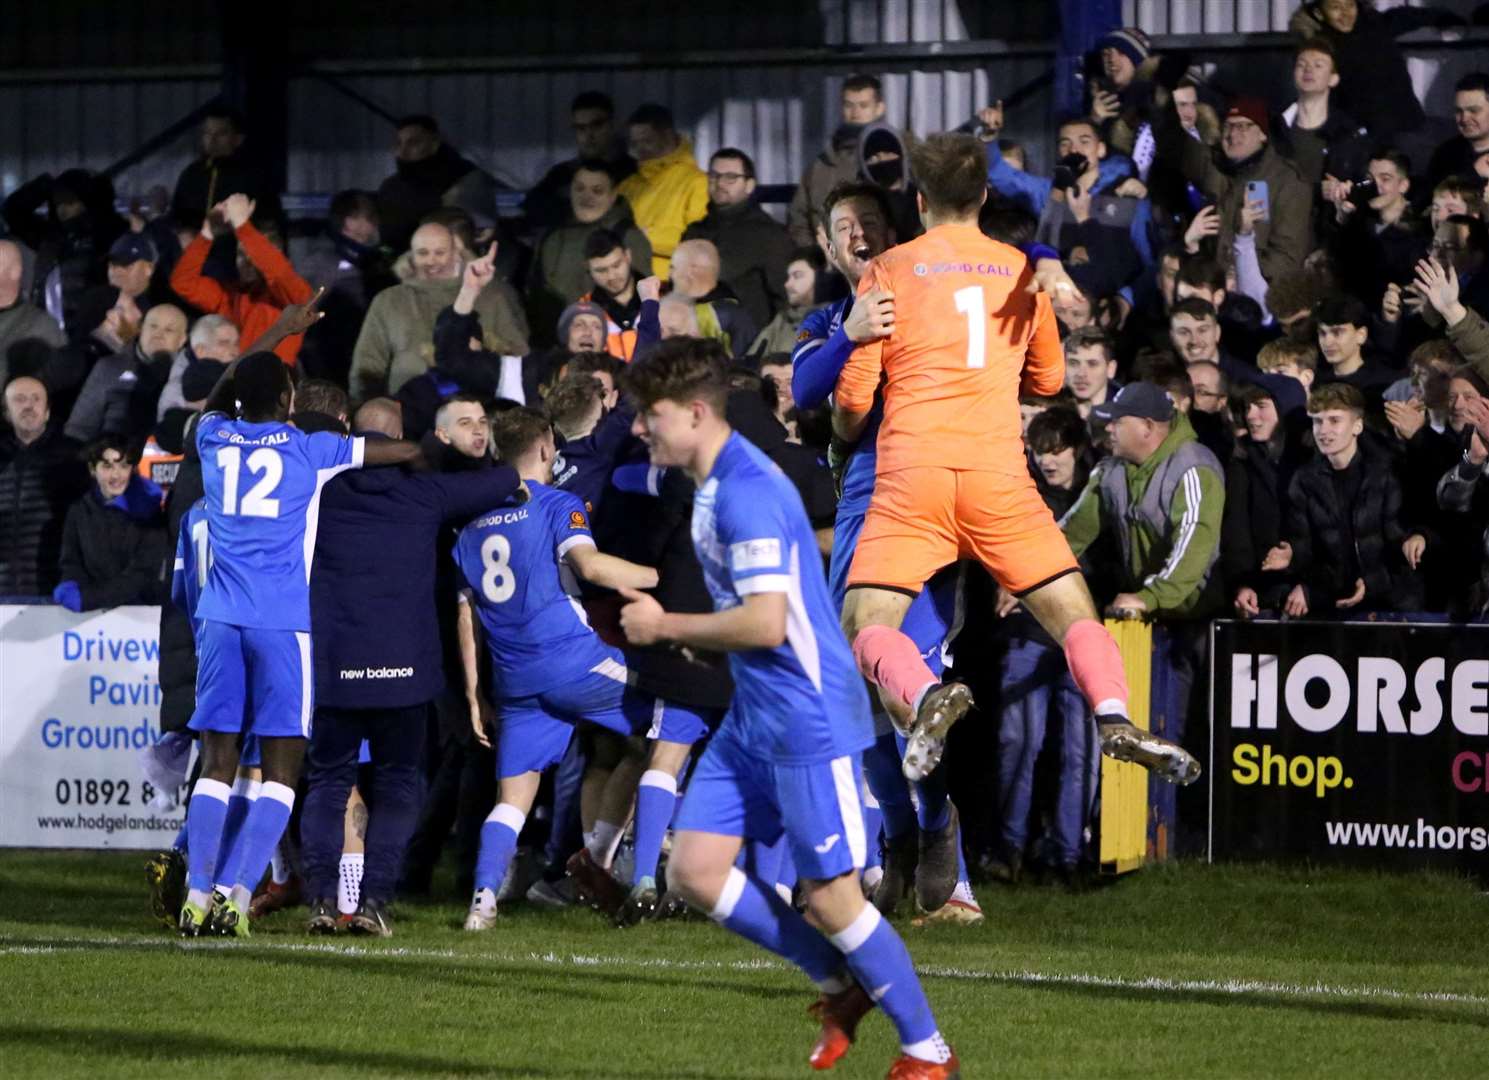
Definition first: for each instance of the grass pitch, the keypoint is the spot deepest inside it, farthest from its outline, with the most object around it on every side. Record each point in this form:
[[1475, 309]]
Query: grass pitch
[[1183, 970]]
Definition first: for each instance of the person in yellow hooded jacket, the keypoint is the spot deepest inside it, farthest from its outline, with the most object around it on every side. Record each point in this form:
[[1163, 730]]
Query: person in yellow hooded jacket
[[668, 191]]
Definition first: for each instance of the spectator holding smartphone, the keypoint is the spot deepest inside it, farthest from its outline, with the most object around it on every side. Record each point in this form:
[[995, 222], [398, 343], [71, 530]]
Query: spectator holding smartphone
[[1246, 159]]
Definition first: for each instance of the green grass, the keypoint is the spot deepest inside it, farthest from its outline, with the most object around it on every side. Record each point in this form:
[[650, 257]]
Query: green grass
[[1255, 971]]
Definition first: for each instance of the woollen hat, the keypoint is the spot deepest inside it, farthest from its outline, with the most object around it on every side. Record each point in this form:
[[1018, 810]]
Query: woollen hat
[[1130, 42]]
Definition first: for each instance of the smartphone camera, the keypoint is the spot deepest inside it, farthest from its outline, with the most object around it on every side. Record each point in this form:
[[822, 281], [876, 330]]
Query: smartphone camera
[[1068, 170], [1361, 192]]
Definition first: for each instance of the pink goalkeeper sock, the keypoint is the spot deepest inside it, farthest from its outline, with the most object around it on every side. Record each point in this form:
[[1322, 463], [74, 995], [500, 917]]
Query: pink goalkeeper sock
[[1096, 665], [889, 659]]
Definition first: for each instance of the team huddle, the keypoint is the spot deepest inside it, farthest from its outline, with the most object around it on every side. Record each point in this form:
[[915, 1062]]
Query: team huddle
[[923, 368]]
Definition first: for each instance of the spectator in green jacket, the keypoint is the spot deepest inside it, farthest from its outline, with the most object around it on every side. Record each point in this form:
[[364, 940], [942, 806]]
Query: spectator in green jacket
[[1161, 495], [1161, 498]]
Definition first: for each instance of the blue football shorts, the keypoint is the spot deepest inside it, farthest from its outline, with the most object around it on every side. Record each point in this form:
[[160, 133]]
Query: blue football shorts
[[736, 791], [253, 681], [534, 731]]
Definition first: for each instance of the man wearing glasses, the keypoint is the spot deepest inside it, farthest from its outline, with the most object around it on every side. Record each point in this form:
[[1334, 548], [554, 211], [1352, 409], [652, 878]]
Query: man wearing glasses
[[754, 249]]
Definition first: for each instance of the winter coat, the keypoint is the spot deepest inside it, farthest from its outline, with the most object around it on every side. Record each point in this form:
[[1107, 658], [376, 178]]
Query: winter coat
[[1470, 336], [1170, 559], [252, 310], [779, 335], [1455, 157], [1368, 260], [1256, 483], [119, 396], [546, 205], [835, 165], [560, 273], [459, 368], [70, 255], [667, 194], [1286, 238], [215, 180], [1317, 530], [115, 550], [1345, 151], [352, 274], [372, 589], [419, 187], [397, 339], [1374, 84], [754, 251], [722, 317], [37, 484], [1447, 571], [21, 322]]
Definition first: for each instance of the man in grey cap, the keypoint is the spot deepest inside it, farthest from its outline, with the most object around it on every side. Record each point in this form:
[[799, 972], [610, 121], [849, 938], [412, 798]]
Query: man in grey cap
[[1160, 496]]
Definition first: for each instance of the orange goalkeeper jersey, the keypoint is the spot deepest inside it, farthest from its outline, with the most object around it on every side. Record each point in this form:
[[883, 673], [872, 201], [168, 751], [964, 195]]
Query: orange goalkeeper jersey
[[967, 335]]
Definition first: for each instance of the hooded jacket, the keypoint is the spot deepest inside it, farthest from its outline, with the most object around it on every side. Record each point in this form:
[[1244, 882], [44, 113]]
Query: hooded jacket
[[891, 175], [666, 194], [560, 273], [835, 165], [397, 339], [1170, 560], [1256, 483]]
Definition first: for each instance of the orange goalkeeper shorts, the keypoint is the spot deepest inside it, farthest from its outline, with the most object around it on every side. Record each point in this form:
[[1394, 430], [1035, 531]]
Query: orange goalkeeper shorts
[[921, 519]]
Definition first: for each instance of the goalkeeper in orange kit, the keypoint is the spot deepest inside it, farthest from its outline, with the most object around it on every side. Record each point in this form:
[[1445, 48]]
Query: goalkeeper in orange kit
[[962, 334]]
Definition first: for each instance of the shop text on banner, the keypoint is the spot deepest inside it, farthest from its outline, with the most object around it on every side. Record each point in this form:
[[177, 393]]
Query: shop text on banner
[[79, 699], [1359, 743]]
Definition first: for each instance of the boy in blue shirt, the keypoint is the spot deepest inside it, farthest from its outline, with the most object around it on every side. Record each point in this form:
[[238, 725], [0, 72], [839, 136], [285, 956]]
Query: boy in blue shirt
[[263, 480], [786, 758]]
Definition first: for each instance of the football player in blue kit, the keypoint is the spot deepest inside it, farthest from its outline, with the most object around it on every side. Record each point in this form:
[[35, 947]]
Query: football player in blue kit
[[858, 228], [785, 760], [188, 579], [549, 669], [263, 480]]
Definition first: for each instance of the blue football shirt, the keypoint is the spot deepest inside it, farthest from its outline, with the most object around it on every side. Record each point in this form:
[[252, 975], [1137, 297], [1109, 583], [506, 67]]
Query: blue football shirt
[[193, 557], [263, 483], [815, 371], [512, 559], [804, 700]]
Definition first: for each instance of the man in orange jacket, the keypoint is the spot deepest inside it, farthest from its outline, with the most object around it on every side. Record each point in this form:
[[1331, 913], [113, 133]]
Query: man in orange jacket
[[268, 283]]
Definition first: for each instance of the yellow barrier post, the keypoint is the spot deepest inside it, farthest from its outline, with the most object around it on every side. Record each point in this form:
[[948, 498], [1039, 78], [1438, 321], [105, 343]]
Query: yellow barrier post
[[1124, 786]]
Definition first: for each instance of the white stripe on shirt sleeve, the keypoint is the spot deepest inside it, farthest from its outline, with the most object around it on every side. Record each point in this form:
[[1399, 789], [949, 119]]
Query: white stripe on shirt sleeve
[[763, 583]]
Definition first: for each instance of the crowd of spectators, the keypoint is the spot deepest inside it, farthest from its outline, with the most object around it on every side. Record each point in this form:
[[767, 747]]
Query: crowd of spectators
[[1277, 354]]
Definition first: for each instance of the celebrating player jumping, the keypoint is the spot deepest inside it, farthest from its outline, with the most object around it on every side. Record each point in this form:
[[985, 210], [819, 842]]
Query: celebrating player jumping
[[961, 333]]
